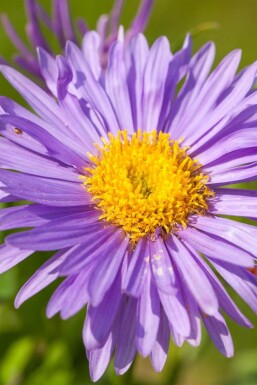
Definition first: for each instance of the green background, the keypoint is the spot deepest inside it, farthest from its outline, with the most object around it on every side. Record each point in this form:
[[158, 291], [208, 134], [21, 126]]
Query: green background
[[37, 351]]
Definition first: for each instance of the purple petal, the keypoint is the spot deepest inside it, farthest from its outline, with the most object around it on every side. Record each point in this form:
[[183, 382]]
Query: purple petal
[[161, 346], [224, 299], [40, 279], [126, 344], [56, 301], [15, 39], [48, 69], [33, 28], [11, 257], [239, 234], [241, 281], [148, 317], [31, 163], [93, 249], [100, 358], [79, 124], [192, 273], [207, 98], [229, 100], [56, 148], [100, 319], [116, 87], [33, 215], [39, 100], [155, 76], [142, 17], [198, 71], [51, 192], [76, 296], [219, 333], [236, 202], [137, 269], [59, 233], [91, 50], [138, 53], [107, 270], [235, 175], [176, 312], [162, 268], [88, 88], [236, 140], [215, 247]]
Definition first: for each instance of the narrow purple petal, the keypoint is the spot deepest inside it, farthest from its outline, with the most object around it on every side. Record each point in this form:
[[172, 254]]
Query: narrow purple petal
[[202, 291], [107, 270], [148, 317], [219, 333], [45, 105], [65, 18], [198, 71], [57, 148], [100, 358], [239, 234], [33, 215], [48, 69], [59, 233], [80, 125], [155, 76], [40, 279], [88, 88], [176, 312], [56, 301], [236, 202], [161, 346], [51, 192], [100, 319], [215, 247], [142, 17], [138, 53], [234, 175], [11, 257], [33, 28], [241, 281], [76, 295], [34, 164], [162, 268], [9, 29], [115, 15], [236, 140], [117, 88], [126, 344], [224, 299], [137, 269], [92, 250], [91, 50]]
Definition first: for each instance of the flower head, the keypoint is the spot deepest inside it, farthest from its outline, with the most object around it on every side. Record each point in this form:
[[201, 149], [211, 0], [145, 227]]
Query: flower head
[[125, 177], [62, 28]]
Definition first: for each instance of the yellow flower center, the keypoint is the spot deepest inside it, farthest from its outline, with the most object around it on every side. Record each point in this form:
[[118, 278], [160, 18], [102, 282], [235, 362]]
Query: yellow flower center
[[146, 182]]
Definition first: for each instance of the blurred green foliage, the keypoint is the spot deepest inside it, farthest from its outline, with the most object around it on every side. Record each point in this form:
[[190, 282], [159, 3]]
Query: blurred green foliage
[[37, 351]]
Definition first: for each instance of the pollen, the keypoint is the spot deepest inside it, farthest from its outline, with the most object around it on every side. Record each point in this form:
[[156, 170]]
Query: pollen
[[146, 183]]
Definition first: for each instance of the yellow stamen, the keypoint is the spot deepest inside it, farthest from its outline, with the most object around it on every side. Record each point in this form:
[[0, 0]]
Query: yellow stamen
[[145, 182]]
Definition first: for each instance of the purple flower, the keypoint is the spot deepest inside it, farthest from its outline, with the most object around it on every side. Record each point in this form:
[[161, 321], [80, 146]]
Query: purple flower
[[63, 29], [126, 178]]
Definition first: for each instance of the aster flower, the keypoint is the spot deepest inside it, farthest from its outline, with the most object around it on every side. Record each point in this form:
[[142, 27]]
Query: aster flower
[[62, 28], [124, 177]]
